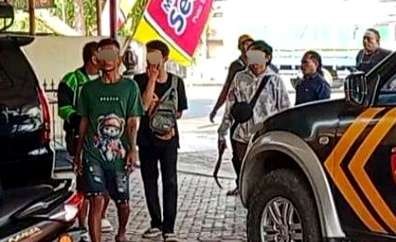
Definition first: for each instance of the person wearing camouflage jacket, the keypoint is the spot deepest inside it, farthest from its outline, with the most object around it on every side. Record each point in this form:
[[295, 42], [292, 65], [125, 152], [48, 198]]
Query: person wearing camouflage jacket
[[273, 97]]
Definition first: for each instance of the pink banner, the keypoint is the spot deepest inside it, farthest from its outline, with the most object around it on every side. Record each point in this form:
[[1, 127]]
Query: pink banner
[[180, 20]]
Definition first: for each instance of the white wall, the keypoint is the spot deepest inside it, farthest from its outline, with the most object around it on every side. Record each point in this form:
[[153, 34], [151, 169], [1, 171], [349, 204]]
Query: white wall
[[52, 57]]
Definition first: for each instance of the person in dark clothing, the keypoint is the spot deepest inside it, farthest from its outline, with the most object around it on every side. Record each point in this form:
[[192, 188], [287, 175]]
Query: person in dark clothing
[[372, 54], [313, 86], [154, 84], [68, 96]]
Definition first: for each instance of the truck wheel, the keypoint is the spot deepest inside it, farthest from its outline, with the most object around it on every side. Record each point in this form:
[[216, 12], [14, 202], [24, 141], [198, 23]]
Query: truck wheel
[[283, 209]]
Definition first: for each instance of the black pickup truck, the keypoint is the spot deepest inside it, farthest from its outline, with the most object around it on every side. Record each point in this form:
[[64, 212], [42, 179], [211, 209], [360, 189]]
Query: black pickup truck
[[33, 205], [326, 171]]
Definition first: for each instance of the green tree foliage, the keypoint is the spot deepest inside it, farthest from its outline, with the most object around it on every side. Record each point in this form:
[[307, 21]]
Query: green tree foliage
[[64, 10]]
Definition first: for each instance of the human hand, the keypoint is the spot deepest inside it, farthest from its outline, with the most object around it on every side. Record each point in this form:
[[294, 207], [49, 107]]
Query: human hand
[[212, 115], [77, 165], [153, 72], [131, 160]]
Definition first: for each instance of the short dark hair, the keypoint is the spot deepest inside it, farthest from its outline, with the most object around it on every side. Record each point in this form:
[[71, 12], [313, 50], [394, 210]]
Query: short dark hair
[[89, 50], [262, 46], [315, 56], [375, 32], [109, 41], [158, 45]]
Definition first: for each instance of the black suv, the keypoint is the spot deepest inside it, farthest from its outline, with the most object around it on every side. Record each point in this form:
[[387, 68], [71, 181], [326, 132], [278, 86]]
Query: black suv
[[24, 118], [33, 206], [326, 171]]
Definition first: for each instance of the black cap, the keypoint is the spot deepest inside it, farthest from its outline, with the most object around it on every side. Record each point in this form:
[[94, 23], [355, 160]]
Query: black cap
[[262, 46]]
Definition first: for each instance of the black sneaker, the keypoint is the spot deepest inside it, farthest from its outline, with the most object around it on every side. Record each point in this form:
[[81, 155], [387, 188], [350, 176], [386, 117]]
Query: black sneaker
[[234, 192], [151, 233]]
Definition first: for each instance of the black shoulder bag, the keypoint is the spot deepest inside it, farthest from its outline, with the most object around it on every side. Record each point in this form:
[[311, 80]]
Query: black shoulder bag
[[243, 111]]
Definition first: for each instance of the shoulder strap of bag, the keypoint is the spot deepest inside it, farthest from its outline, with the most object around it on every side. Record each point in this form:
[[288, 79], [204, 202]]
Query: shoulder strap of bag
[[263, 82], [173, 87]]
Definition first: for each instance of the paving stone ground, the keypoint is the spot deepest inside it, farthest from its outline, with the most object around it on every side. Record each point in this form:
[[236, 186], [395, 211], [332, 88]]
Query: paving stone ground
[[205, 213]]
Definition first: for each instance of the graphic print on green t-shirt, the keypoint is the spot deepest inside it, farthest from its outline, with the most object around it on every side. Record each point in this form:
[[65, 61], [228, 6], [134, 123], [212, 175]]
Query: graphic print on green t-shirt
[[108, 137], [108, 107]]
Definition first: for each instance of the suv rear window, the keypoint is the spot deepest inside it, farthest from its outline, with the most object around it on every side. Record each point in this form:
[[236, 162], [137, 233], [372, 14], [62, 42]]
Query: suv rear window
[[17, 80]]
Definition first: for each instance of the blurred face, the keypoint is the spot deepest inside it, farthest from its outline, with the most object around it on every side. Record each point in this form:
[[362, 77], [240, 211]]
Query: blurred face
[[257, 61], [109, 58], [246, 45], [309, 65], [370, 41], [154, 57]]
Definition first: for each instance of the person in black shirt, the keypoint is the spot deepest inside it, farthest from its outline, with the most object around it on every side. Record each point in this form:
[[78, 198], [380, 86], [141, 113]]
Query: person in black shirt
[[372, 54], [313, 86], [154, 147]]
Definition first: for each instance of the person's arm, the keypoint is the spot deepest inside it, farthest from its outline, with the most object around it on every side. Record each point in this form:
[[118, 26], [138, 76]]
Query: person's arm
[[147, 96], [132, 132], [134, 112], [233, 69], [132, 129], [227, 120], [181, 99], [66, 106], [323, 91], [83, 130], [282, 96], [358, 58], [83, 110]]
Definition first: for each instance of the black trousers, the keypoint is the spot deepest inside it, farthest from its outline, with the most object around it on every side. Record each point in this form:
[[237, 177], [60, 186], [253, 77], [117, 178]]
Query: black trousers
[[234, 159], [166, 155], [238, 152]]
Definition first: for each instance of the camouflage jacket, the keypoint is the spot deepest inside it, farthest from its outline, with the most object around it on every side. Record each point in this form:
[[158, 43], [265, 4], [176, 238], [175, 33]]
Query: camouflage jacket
[[273, 98]]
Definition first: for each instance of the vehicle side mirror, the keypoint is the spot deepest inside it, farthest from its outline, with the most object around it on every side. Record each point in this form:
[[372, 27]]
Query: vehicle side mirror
[[6, 16], [356, 88]]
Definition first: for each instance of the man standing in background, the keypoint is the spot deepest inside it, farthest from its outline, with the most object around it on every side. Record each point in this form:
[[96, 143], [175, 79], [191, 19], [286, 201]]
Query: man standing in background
[[372, 53]]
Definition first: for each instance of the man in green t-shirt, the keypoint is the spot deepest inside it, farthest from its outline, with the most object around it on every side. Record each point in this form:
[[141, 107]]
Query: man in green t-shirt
[[110, 109], [68, 94]]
